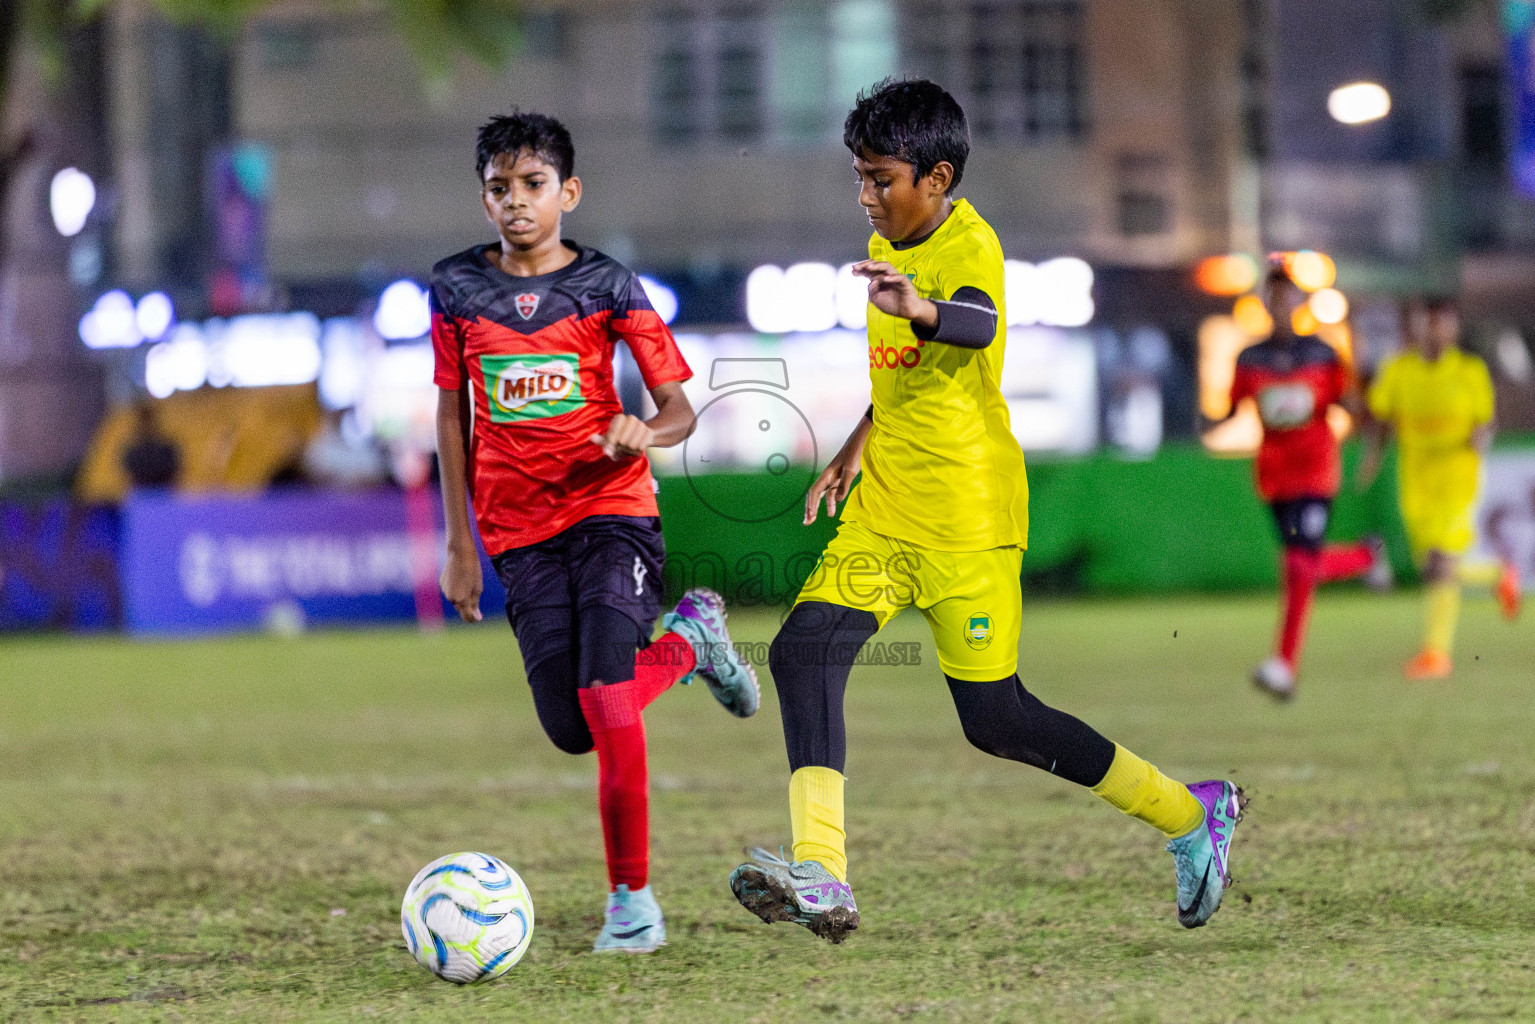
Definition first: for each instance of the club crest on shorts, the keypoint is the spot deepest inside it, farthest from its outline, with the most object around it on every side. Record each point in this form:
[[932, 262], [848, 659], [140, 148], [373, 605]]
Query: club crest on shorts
[[527, 304], [978, 631]]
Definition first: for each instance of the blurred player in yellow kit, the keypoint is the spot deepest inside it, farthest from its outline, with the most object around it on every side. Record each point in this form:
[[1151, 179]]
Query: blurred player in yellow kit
[[1438, 399]]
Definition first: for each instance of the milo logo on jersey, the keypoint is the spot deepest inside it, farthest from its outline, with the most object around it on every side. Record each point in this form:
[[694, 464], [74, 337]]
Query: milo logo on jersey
[[533, 386], [1286, 406]]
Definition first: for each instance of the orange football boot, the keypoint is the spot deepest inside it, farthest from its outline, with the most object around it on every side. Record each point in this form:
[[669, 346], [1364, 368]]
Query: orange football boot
[[1429, 664]]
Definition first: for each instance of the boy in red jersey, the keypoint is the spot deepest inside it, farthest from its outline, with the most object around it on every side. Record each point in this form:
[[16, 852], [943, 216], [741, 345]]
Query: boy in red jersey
[[1294, 380], [529, 424]]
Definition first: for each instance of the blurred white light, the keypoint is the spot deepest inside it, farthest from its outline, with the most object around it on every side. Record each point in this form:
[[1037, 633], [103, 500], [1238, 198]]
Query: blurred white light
[[662, 298], [1329, 306], [154, 315], [852, 299], [403, 312], [264, 350], [111, 323], [180, 364], [767, 301], [802, 298], [1057, 293], [344, 362], [404, 367], [1065, 293], [812, 293], [1358, 103], [1021, 295], [71, 198]]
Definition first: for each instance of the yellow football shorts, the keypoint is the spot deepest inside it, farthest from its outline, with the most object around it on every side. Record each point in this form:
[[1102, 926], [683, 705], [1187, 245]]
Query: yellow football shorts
[[1438, 497], [971, 599]]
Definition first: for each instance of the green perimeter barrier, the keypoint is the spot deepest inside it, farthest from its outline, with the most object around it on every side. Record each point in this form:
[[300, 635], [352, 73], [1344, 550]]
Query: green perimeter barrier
[[1182, 520]]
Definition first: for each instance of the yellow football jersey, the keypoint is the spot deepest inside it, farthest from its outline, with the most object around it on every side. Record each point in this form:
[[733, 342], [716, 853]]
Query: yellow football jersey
[[1433, 406], [941, 468]]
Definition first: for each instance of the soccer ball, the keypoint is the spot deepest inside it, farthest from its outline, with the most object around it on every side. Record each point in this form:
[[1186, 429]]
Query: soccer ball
[[467, 918]]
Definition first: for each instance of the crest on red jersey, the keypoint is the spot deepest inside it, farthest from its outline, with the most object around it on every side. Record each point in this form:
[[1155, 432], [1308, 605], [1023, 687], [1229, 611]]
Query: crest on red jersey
[[527, 304]]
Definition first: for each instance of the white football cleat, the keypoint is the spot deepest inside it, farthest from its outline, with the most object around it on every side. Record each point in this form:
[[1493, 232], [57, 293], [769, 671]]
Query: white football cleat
[[1276, 678]]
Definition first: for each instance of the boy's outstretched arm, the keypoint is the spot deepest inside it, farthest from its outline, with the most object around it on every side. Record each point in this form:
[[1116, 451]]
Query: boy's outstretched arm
[[461, 581], [672, 424], [836, 480]]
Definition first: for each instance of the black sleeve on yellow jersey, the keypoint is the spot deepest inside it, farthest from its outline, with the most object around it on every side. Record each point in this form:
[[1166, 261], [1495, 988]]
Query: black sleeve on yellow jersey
[[967, 320]]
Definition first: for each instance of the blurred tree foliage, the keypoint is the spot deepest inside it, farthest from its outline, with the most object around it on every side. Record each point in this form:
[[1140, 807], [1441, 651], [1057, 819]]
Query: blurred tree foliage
[[438, 31]]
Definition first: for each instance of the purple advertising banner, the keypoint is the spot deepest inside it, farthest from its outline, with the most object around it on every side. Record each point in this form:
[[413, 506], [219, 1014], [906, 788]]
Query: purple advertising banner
[[202, 564]]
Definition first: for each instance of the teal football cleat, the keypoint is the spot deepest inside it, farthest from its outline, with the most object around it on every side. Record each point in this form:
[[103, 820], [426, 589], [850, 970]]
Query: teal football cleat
[[699, 618], [803, 892], [1202, 857], [633, 923]]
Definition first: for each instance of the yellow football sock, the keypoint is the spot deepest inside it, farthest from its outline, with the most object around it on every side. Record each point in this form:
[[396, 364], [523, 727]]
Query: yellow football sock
[[1136, 787], [1479, 573], [815, 814], [1442, 612]]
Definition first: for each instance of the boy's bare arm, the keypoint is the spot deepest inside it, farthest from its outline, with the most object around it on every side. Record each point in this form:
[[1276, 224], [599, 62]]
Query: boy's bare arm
[[461, 581], [672, 424], [836, 480]]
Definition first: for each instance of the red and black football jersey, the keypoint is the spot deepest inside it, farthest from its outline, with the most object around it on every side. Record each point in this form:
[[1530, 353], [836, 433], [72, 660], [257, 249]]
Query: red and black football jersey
[[537, 356], [1293, 385]]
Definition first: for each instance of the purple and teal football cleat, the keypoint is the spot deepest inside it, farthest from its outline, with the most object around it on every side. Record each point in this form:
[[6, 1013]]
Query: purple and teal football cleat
[[803, 892], [1202, 858], [633, 923], [699, 618]]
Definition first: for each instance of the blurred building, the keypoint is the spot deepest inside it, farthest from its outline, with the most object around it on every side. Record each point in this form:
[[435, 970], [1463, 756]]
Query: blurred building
[[307, 162], [708, 134]]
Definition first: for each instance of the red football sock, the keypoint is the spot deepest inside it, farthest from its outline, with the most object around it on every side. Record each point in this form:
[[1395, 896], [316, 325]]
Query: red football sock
[[612, 713], [1343, 561], [660, 665], [1300, 578]]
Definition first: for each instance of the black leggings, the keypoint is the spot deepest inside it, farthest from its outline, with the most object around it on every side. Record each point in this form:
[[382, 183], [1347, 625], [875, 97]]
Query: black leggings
[[813, 655], [606, 641]]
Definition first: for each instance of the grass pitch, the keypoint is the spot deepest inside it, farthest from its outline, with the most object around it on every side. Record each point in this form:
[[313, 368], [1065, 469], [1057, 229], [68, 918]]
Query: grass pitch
[[222, 830]]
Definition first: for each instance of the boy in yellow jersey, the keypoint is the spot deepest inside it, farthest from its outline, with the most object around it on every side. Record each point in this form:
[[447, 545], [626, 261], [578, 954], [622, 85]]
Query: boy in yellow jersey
[[939, 523], [1439, 401]]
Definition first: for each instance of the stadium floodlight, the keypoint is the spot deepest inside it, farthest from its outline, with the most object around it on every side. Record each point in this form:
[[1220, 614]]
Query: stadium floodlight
[[403, 312], [154, 315], [1359, 103], [662, 298], [111, 322], [71, 198], [1329, 306]]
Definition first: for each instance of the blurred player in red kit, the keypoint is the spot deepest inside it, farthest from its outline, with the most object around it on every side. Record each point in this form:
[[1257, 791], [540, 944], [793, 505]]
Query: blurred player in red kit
[[1294, 380]]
